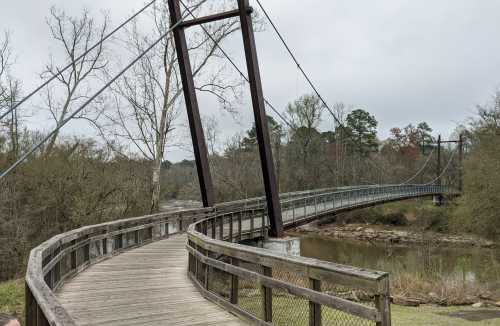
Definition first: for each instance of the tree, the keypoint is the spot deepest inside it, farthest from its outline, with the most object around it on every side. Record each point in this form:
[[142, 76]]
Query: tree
[[362, 129], [488, 120], [9, 92], [478, 206], [305, 115], [249, 142], [75, 36], [411, 140], [148, 97]]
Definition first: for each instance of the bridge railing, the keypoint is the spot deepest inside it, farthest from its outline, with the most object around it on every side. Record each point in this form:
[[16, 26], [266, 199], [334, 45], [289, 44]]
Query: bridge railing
[[272, 288], [262, 285], [68, 254], [65, 255], [302, 210]]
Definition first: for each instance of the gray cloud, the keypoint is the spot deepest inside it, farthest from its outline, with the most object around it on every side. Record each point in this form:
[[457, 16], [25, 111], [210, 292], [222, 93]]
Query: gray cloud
[[403, 60]]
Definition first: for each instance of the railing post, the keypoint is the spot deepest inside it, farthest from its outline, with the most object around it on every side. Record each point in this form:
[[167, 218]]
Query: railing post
[[221, 228], [231, 222], [40, 317], [383, 304], [233, 297], [239, 227], [30, 310], [267, 295], [314, 308], [315, 206], [252, 215]]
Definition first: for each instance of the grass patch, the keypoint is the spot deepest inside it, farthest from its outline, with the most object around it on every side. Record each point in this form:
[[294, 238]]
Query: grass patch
[[293, 311], [432, 316], [12, 298]]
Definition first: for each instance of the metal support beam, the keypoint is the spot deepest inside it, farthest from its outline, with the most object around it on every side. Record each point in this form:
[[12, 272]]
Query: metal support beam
[[213, 18], [460, 163], [193, 113], [261, 127], [438, 166], [439, 198]]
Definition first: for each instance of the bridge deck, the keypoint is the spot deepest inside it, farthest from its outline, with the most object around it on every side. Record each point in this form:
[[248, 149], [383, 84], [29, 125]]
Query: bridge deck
[[144, 286]]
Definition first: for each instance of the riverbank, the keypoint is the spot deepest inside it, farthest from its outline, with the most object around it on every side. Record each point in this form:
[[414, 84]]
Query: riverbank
[[392, 234], [425, 267]]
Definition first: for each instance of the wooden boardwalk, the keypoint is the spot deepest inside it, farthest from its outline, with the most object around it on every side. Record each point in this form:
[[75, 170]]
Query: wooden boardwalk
[[144, 286]]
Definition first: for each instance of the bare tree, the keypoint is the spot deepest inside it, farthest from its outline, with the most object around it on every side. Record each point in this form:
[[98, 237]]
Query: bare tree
[[5, 61], [340, 111], [75, 35], [147, 99], [9, 92]]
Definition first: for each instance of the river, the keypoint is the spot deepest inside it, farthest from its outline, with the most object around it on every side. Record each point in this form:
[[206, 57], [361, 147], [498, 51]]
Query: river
[[467, 267]]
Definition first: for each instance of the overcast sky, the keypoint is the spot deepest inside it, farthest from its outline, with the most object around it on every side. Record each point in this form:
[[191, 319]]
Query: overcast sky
[[405, 61]]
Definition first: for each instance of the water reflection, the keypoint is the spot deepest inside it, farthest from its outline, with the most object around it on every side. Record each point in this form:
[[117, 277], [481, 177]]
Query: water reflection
[[464, 265]]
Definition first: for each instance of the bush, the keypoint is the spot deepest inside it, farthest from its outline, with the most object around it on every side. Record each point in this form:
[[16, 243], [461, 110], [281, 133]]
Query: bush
[[77, 184], [433, 218]]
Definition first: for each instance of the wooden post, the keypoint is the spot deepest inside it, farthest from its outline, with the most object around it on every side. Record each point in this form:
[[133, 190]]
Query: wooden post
[[193, 113], [234, 284], [213, 228], [267, 295], [261, 127], [239, 226], [40, 317], [221, 228], [383, 303], [30, 309], [314, 308]]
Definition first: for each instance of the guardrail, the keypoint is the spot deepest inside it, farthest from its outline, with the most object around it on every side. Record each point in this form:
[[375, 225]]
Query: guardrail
[[261, 282], [269, 288], [65, 255]]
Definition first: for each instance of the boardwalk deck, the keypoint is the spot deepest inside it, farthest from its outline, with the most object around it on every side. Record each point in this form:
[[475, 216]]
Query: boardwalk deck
[[144, 286]]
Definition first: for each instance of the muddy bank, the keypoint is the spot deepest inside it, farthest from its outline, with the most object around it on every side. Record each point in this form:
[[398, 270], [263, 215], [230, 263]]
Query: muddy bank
[[394, 235]]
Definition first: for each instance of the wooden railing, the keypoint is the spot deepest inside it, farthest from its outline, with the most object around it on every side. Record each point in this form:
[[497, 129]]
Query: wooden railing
[[65, 255], [235, 275], [267, 288]]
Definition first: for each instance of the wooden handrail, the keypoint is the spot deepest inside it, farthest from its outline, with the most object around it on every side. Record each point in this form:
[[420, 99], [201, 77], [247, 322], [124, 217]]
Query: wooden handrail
[[65, 255]]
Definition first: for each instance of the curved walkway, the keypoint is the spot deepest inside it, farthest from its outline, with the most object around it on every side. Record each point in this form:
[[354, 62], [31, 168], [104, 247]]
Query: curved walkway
[[144, 286]]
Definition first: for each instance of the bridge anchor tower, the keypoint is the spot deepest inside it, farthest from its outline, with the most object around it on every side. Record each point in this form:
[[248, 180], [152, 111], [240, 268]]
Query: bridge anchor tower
[[244, 12]]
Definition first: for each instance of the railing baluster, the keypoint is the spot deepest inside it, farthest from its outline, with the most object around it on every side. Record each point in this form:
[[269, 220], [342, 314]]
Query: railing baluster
[[314, 308], [233, 297], [231, 222], [239, 227], [267, 295]]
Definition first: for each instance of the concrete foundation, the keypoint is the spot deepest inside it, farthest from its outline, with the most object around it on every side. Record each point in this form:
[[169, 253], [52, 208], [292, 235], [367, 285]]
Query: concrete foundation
[[438, 200], [289, 246]]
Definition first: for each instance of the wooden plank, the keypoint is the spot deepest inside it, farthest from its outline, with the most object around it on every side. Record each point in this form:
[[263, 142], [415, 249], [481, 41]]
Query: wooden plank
[[145, 286]]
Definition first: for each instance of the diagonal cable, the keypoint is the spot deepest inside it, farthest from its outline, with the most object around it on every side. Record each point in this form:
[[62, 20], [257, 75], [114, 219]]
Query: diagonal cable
[[444, 170], [225, 54], [294, 58], [61, 71], [421, 169], [90, 100]]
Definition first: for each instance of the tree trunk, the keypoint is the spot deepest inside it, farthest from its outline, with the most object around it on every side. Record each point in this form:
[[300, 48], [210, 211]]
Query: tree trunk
[[156, 186]]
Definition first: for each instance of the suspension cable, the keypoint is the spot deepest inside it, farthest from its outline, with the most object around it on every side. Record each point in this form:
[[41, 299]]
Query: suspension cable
[[294, 58], [225, 54], [444, 170], [421, 169], [90, 100], [61, 71]]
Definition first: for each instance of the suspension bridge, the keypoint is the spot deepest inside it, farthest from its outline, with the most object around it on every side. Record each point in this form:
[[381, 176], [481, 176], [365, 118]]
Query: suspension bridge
[[204, 266]]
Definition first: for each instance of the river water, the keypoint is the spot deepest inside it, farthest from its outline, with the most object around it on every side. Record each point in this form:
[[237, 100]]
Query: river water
[[465, 266]]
